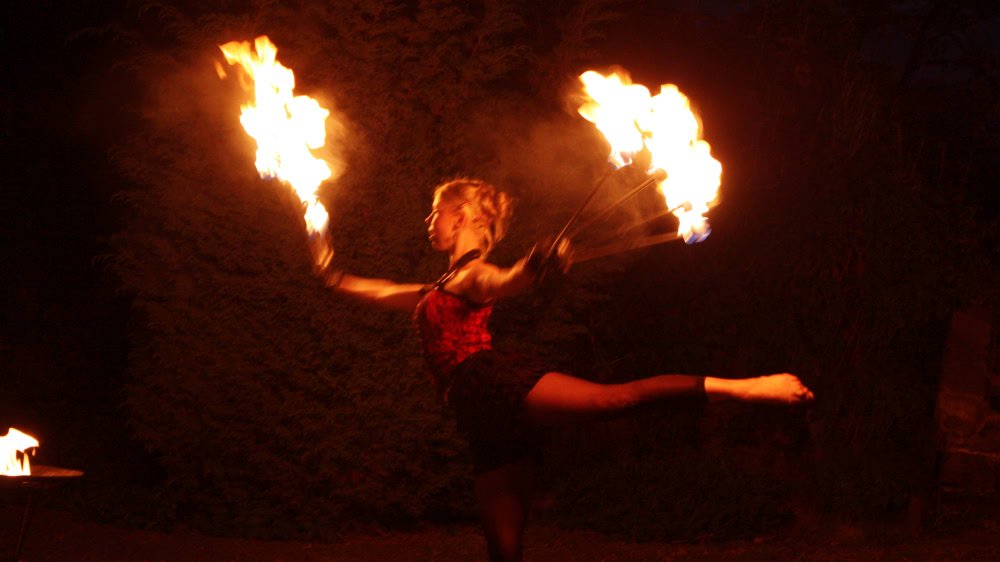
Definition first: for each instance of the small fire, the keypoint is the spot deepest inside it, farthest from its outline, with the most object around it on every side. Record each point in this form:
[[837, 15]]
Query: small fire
[[631, 120], [287, 127], [10, 445]]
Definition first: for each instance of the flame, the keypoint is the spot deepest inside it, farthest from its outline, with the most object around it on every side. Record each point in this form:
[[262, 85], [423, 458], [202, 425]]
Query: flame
[[664, 125], [10, 445], [287, 127]]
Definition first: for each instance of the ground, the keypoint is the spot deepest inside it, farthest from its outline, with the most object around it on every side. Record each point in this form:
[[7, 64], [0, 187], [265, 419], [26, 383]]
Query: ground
[[59, 536]]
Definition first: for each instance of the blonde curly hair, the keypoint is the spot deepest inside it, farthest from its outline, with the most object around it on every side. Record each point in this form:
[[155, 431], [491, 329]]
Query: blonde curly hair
[[487, 209]]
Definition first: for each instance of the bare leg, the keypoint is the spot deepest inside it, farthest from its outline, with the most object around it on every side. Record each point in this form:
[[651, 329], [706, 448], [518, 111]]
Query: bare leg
[[503, 496], [559, 398]]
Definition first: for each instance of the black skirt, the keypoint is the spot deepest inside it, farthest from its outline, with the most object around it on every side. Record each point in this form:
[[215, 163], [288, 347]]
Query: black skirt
[[487, 395]]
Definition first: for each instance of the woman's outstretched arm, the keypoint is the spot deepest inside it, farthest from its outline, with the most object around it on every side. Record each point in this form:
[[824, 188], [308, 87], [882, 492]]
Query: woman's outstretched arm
[[380, 292], [487, 282]]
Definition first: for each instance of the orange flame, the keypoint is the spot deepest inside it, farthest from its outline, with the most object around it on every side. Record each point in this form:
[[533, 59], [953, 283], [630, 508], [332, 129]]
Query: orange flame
[[664, 125], [287, 127], [10, 445]]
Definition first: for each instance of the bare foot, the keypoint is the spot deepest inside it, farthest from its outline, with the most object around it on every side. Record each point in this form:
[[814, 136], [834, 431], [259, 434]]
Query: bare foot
[[783, 388]]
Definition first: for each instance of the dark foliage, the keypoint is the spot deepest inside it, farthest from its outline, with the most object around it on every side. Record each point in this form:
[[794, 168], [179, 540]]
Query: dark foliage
[[273, 407]]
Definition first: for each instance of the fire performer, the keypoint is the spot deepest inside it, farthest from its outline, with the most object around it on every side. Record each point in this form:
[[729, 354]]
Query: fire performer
[[501, 401]]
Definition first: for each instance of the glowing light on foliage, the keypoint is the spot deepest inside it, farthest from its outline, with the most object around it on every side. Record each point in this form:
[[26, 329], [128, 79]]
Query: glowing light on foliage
[[665, 126], [11, 445], [287, 127]]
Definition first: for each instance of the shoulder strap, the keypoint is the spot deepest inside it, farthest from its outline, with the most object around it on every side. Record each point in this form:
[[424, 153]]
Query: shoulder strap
[[459, 264]]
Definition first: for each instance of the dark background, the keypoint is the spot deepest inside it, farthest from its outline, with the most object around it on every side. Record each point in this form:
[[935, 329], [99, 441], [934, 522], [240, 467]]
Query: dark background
[[162, 331]]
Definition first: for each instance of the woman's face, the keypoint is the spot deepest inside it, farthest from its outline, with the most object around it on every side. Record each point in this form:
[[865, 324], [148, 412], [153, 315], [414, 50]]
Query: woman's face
[[444, 222]]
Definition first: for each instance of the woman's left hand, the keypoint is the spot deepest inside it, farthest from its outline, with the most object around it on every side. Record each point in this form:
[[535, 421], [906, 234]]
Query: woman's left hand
[[547, 257]]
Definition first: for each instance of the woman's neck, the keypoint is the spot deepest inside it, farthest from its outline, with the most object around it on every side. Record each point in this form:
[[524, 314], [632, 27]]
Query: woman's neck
[[464, 244]]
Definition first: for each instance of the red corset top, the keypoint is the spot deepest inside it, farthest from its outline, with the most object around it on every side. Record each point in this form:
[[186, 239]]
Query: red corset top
[[452, 328]]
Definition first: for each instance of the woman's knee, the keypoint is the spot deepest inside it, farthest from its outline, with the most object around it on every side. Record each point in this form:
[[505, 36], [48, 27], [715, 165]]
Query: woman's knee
[[614, 398]]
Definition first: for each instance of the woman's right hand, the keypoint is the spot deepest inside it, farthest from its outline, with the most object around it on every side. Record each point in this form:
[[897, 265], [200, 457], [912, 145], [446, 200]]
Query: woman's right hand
[[321, 251]]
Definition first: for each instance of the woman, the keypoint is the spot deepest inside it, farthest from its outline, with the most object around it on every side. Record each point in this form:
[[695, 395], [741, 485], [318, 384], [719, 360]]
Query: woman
[[499, 401]]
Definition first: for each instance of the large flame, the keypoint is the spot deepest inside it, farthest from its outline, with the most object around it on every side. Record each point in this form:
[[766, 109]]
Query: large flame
[[10, 445], [287, 127], [631, 120]]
